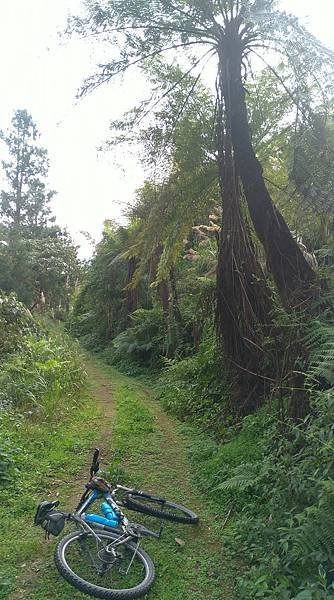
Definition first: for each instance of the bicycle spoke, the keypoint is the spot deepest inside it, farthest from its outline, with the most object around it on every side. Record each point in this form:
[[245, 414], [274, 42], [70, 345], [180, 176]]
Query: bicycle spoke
[[86, 550], [111, 565]]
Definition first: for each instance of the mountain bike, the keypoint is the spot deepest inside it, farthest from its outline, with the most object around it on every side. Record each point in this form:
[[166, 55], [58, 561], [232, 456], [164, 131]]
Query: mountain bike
[[103, 557]]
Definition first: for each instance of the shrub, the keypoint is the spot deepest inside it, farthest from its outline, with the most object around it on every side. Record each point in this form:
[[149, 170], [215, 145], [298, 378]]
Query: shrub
[[320, 340], [278, 481], [285, 532], [276, 476], [16, 322], [218, 463], [40, 375], [141, 345], [84, 326], [45, 372], [40, 381], [197, 387]]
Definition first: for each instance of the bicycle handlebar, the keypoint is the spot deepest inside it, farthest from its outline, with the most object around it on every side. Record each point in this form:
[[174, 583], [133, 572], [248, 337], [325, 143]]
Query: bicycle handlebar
[[95, 463], [138, 493]]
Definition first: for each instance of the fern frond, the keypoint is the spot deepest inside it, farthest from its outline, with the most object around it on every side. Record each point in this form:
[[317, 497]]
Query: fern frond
[[320, 341], [245, 477]]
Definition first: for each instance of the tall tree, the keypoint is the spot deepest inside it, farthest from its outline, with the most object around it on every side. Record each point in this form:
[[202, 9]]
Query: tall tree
[[233, 30], [26, 200], [180, 143], [39, 261]]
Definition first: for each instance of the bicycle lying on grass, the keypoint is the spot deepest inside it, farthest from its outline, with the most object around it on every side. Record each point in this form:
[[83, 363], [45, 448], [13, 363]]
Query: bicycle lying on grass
[[103, 557]]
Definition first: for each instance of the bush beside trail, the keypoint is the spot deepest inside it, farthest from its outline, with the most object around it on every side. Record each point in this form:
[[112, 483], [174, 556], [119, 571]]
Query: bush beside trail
[[41, 375], [273, 475], [16, 324]]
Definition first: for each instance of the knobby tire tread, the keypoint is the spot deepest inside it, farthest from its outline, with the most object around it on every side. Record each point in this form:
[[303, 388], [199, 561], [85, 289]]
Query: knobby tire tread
[[189, 517], [95, 591]]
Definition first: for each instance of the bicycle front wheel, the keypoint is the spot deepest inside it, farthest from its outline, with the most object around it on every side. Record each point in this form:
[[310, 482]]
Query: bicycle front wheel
[[158, 507], [102, 568]]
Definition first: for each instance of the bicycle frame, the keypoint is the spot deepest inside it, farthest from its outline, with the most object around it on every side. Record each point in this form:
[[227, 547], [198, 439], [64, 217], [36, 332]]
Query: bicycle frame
[[98, 519], [91, 495], [127, 531]]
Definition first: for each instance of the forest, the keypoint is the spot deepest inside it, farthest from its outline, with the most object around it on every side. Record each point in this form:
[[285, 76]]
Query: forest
[[209, 310]]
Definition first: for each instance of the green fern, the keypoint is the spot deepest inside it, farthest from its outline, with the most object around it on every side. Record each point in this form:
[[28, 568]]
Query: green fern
[[245, 477], [320, 341], [312, 533]]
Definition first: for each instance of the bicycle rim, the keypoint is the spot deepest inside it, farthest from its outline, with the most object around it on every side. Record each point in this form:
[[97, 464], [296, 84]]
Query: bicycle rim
[[95, 571]]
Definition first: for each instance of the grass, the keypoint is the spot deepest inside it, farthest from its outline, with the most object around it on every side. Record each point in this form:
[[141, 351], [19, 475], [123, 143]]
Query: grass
[[144, 447], [51, 453], [153, 453]]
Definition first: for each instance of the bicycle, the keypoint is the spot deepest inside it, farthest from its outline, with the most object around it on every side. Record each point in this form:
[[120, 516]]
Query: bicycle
[[103, 557]]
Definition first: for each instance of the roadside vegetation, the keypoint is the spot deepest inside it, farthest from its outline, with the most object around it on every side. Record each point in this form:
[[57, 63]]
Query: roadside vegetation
[[217, 292], [45, 422]]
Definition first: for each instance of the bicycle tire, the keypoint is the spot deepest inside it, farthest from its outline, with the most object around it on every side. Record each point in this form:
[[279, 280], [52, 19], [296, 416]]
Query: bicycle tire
[[95, 590], [143, 504]]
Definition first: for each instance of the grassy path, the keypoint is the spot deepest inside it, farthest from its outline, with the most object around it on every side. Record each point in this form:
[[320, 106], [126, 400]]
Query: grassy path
[[147, 449]]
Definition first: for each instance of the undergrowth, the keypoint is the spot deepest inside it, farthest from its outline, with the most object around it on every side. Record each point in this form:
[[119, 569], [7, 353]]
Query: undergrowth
[[138, 350], [275, 478], [42, 375], [40, 378], [16, 323], [198, 387], [41, 386]]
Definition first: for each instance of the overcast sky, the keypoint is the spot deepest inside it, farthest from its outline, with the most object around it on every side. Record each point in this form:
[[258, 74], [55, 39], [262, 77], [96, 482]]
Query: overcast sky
[[41, 73]]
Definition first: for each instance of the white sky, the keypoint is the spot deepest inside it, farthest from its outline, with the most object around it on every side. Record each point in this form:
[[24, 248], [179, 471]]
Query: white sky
[[41, 73]]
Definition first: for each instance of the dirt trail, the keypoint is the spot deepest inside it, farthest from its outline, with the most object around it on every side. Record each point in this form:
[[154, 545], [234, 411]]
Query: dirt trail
[[159, 460], [173, 455], [101, 391]]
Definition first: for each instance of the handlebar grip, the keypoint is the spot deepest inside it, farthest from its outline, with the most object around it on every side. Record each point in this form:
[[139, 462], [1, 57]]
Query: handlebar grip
[[150, 497], [95, 463]]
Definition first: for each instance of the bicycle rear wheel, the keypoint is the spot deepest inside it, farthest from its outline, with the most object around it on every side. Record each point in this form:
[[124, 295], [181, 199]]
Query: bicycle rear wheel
[[160, 508], [94, 569]]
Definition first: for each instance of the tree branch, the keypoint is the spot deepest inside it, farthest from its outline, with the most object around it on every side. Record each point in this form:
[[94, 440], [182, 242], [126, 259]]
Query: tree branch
[[107, 77]]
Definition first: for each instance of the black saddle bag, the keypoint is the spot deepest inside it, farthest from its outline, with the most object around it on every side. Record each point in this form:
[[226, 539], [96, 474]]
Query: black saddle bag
[[51, 520]]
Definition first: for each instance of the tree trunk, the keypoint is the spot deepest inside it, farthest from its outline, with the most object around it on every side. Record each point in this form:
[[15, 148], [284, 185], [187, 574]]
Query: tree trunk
[[132, 296], [163, 291], [243, 298], [175, 299], [295, 279]]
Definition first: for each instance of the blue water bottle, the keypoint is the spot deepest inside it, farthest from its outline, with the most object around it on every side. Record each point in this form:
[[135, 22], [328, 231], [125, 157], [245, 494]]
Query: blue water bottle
[[110, 514]]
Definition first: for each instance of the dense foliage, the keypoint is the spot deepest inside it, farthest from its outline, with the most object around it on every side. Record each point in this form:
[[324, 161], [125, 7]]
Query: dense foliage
[[16, 323], [275, 477], [40, 376], [221, 282]]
